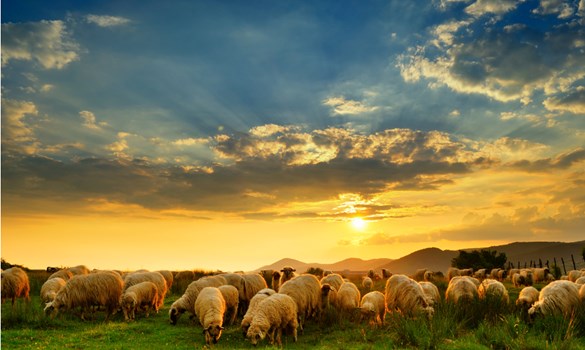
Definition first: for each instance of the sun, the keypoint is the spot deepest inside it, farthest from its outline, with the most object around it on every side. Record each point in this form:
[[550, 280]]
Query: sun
[[358, 223]]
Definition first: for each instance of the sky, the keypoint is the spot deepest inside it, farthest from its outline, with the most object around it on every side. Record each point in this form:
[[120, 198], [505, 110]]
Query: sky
[[230, 134]]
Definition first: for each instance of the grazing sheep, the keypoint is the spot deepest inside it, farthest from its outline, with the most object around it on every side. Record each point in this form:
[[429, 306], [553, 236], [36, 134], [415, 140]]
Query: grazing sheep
[[431, 292], [168, 276], [333, 279], [102, 289], [386, 274], [210, 307], [276, 280], [143, 295], [518, 280], [15, 284], [50, 288], [373, 308], [253, 283], [573, 275], [367, 283], [480, 274], [64, 274], [419, 275], [274, 314], [247, 319], [405, 295], [328, 296], [306, 292], [187, 301], [540, 274], [580, 280], [582, 293], [236, 280], [490, 288], [154, 277], [348, 298], [79, 270], [528, 277], [453, 272], [232, 299], [288, 273], [267, 275], [527, 297], [556, 298], [461, 289]]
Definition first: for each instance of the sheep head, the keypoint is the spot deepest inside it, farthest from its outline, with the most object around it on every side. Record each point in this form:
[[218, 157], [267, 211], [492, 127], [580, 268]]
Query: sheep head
[[212, 333], [256, 334]]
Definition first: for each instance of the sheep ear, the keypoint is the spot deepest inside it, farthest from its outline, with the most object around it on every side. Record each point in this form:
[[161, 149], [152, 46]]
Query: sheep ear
[[294, 270], [221, 328]]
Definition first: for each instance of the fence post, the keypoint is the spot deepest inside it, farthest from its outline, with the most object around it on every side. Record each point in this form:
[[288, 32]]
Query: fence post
[[564, 268], [574, 265], [539, 263]]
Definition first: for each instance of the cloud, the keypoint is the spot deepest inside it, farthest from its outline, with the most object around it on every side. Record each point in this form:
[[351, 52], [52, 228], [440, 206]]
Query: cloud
[[573, 102], [107, 21], [341, 106], [45, 42], [497, 7], [561, 161], [554, 7], [17, 132], [90, 122]]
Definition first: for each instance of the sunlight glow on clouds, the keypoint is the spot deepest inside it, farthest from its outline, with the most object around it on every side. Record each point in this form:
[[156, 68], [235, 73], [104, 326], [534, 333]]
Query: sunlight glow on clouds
[[107, 21]]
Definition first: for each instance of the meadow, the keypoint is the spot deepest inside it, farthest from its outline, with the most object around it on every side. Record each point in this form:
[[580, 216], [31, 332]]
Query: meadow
[[479, 325]]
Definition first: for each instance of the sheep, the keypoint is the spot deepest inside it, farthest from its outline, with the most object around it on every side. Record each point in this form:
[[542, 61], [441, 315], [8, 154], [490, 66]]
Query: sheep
[[210, 307], [348, 298], [306, 292], [232, 299], [494, 273], [573, 275], [373, 308], [556, 298], [274, 314], [528, 277], [527, 297], [490, 288], [453, 272], [247, 319], [15, 284], [419, 275], [275, 280], [267, 275], [480, 274], [518, 280], [580, 280], [236, 280], [333, 279], [168, 276], [288, 273], [138, 296], [386, 274], [102, 289], [461, 289], [582, 293], [253, 283], [405, 295], [328, 296], [50, 288], [367, 283], [154, 277], [64, 274], [79, 270], [540, 274], [187, 301], [431, 292]]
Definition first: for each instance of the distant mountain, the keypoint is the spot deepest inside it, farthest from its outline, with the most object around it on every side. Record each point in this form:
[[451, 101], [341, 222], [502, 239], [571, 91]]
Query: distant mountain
[[440, 260]]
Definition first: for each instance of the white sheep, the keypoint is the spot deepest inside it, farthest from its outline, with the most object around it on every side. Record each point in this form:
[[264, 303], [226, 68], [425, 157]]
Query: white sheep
[[460, 289], [527, 297], [373, 308], [102, 289], [540, 274], [64, 274], [328, 296], [431, 292], [15, 284], [480, 274], [273, 315], [155, 277], [419, 275], [405, 295], [490, 288], [573, 275], [79, 270], [580, 280], [253, 283], [518, 280], [276, 280], [168, 276], [247, 319], [333, 279], [187, 301], [210, 308], [556, 298], [582, 293], [306, 292], [288, 273], [367, 283], [528, 276], [143, 295], [348, 298], [232, 299], [50, 288], [386, 274], [453, 272]]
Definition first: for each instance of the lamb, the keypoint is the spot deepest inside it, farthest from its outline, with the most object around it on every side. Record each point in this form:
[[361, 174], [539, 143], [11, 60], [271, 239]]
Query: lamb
[[15, 284], [461, 289], [373, 308], [274, 314], [50, 288], [306, 292], [138, 296], [527, 297], [247, 319], [154, 277], [232, 299], [210, 307], [431, 292], [405, 295], [187, 301], [348, 298], [334, 280], [288, 273], [367, 283], [275, 280], [556, 298], [102, 289], [490, 288]]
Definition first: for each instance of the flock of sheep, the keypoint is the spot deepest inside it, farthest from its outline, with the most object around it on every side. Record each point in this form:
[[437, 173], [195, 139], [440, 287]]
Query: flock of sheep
[[292, 299]]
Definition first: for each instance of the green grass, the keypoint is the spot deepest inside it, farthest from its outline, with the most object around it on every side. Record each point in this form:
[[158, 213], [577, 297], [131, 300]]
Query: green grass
[[475, 326]]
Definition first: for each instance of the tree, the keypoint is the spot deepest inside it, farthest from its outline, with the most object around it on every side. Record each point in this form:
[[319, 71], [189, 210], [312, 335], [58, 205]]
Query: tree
[[479, 259]]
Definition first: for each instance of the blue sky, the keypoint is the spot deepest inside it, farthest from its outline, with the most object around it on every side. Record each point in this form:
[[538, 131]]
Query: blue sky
[[282, 110]]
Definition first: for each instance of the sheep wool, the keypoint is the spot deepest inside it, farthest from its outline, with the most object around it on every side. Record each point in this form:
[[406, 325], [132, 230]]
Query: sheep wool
[[407, 296], [210, 307], [274, 314], [431, 292], [306, 292], [373, 308], [367, 283], [527, 297], [556, 298], [333, 279], [461, 288], [187, 301], [168, 276], [490, 288], [348, 298], [143, 295], [254, 302], [582, 293], [232, 299], [50, 288], [15, 284]]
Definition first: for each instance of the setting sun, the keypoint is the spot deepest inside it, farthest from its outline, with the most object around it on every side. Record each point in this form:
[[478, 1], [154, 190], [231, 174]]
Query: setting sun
[[358, 223]]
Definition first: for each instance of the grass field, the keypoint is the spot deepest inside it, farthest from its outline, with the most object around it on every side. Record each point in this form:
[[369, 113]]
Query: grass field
[[477, 326]]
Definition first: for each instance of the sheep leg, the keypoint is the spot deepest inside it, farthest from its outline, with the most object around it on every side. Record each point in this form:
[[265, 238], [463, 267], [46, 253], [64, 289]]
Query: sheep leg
[[279, 336]]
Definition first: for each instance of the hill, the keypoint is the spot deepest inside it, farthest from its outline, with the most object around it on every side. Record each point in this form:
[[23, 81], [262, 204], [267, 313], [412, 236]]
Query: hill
[[440, 260]]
